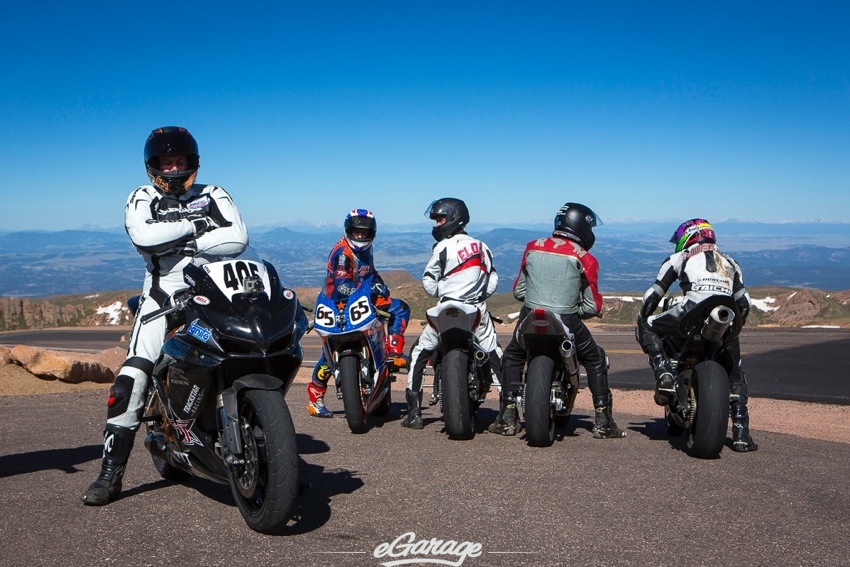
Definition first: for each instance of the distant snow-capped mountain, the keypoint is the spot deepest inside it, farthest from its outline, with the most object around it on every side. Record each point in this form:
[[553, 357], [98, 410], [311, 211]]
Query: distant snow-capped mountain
[[817, 255]]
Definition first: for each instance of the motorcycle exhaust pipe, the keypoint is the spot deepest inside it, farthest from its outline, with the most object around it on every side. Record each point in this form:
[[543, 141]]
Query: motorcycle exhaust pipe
[[719, 320], [568, 353], [480, 356], [155, 444]]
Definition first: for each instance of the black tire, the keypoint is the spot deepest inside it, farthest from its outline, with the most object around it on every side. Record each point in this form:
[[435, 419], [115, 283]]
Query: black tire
[[352, 394], [539, 413], [266, 486], [454, 381], [384, 408], [708, 431]]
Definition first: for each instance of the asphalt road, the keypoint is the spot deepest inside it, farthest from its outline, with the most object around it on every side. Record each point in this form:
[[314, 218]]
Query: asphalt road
[[803, 364], [633, 501]]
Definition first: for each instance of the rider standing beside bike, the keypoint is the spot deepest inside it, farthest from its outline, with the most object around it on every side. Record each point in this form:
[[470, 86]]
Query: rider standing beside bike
[[559, 273], [460, 268], [349, 264], [168, 222], [702, 271]]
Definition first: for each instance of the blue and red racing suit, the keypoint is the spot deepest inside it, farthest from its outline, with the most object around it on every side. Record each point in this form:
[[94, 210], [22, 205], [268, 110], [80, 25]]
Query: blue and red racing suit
[[347, 269]]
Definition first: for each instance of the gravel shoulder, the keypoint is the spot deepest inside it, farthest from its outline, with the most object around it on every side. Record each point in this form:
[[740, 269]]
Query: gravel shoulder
[[814, 421]]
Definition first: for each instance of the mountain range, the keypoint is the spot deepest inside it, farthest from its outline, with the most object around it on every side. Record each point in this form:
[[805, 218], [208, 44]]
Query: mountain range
[[37, 264], [773, 307]]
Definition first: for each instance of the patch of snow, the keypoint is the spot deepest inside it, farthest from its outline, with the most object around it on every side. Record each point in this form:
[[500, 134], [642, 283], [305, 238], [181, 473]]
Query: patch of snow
[[623, 298], [765, 304], [820, 327], [113, 313]]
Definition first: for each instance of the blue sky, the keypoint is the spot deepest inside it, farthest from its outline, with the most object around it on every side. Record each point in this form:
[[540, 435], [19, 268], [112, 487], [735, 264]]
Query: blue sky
[[303, 110]]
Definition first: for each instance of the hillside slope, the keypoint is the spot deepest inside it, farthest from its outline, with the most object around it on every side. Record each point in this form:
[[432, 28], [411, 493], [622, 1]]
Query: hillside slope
[[775, 306]]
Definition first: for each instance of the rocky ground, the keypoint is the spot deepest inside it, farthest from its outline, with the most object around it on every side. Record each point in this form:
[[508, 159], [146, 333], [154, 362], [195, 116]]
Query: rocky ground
[[814, 421]]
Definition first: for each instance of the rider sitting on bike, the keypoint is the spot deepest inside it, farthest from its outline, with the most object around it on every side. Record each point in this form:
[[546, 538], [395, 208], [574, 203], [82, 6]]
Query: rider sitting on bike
[[460, 268], [702, 271], [558, 273], [349, 264], [168, 221]]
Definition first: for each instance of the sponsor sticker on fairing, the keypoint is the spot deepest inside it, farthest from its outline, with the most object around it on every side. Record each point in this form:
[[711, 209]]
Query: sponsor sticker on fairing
[[201, 333]]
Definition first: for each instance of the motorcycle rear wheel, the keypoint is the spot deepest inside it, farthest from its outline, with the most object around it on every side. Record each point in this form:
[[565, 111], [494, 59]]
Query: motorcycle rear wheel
[[539, 413], [352, 394], [266, 486], [457, 411], [708, 430]]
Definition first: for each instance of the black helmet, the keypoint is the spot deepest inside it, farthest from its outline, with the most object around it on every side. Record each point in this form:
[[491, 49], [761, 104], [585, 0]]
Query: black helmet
[[171, 140], [360, 219], [576, 222], [456, 213]]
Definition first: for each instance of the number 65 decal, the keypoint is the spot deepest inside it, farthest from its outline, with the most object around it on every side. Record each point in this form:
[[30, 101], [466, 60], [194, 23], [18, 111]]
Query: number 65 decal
[[324, 316], [361, 308]]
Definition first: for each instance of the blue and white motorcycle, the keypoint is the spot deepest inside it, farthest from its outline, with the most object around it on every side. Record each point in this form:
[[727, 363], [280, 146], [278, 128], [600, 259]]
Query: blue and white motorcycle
[[353, 340]]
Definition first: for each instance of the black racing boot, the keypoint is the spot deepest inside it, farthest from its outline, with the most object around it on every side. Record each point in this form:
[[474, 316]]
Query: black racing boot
[[663, 379], [413, 420], [604, 426], [506, 421], [742, 442], [117, 444]]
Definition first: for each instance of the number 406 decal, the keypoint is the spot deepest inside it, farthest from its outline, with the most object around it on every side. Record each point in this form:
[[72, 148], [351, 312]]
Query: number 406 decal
[[235, 272]]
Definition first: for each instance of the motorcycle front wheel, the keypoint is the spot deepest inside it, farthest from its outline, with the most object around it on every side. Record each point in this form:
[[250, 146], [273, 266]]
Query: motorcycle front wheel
[[352, 394], [708, 430], [265, 486], [457, 411], [539, 413]]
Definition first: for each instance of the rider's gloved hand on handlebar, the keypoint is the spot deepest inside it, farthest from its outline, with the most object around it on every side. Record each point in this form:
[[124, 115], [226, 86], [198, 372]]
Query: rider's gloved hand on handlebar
[[379, 289]]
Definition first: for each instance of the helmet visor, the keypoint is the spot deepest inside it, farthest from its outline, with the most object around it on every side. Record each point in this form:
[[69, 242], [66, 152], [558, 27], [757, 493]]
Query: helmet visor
[[434, 210]]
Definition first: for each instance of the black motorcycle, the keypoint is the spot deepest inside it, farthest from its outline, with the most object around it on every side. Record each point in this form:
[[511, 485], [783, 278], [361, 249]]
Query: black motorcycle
[[551, 379], [216, 408], [699, 403], [462, 375]]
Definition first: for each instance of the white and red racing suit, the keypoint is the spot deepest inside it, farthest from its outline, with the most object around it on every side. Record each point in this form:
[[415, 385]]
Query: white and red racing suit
[[460, 268]]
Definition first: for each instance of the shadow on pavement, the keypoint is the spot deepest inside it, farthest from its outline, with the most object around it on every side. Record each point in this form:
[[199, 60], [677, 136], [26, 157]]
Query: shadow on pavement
[[64, 459]]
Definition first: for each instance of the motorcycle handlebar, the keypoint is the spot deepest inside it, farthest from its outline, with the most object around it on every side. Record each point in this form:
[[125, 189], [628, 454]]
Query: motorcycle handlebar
[[161, 312], [178, 301]]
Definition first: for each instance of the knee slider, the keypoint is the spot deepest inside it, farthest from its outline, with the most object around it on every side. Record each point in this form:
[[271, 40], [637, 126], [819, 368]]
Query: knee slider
[[119, 396]]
